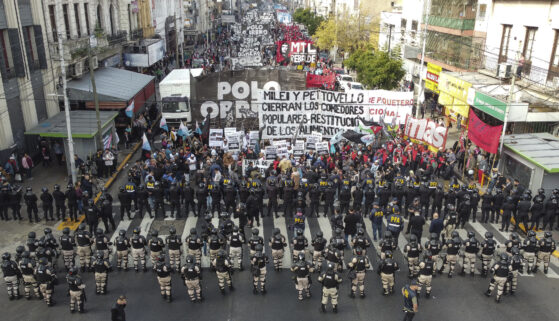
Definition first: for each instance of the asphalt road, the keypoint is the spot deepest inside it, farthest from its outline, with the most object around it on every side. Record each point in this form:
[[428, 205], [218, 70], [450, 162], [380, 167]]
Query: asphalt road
[[459, 298]]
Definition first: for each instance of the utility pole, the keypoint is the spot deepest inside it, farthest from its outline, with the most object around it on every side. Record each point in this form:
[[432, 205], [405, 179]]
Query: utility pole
[[64, 93], [178, 62], [95, 97], [422, 84], [389, 38], [509, 103]]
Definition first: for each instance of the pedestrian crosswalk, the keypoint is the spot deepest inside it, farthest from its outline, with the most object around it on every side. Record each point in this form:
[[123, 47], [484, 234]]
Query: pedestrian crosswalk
[[312, 226]]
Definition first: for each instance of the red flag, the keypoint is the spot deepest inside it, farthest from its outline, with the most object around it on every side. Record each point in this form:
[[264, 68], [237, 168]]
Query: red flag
[[485, 136]]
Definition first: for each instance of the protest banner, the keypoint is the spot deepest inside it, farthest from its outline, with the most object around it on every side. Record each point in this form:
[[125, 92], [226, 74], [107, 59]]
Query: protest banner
[[271, 152], [296, 52], [485, 136], [282, 150], [299, 148], [216, 137], [427, 131], [262, 165], [284, 114], [232, 95], [311, 142], [253, 138], [322, 148], [321, 81]]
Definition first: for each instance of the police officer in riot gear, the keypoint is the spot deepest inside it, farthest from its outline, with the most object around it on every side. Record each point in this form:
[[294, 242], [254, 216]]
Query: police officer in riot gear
[[67, 243], [174, 243], [357, 269], [84, 241], [12, 275], [387, 270], [122, 247], [223, 269], [138, 243], [258, 269], [45, 276], [277, 243], [471, 249], [163, 272], [31, 202], [426, 272], [488, 247], [191, 273], [501, 271], [318, 244], [76, 290], [155, 244], [547, 246], [452, 246], [194, 245], [302, 277], [330, 283], [47, 200], [59, 203]]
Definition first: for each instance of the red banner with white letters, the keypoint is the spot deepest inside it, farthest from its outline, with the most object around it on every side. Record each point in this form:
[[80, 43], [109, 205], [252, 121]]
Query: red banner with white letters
[[485, 136]]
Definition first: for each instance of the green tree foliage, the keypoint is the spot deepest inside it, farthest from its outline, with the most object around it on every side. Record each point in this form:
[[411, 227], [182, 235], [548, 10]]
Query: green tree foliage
[[376, 70], [308, 18]]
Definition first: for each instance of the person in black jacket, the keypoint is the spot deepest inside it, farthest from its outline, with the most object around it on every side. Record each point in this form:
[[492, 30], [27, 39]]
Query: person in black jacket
[[47, 200], [350, 222], [117, 311], [415, 225]]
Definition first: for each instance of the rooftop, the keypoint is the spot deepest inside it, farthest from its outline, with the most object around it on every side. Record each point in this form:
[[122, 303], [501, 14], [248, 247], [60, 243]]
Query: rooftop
[[542, 149]]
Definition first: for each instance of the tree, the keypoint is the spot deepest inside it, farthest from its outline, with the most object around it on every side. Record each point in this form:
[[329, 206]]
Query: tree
[[376, 70], [348, 32], [308, 18]]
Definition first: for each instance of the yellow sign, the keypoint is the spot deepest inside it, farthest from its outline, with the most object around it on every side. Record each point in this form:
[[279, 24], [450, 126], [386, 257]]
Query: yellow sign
[[70, 224], [432, 77], [453, 86], [445, 99]]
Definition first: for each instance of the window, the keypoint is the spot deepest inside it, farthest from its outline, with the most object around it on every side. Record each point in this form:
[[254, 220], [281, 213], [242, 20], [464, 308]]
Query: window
[[529, 42], [53, 26], [98, 22], [554, 60], [505, 39], [66, 21], [6, 59], [30, 47], [482, 11], [77, 15], [86, 11], [403, 24], [414, 25]]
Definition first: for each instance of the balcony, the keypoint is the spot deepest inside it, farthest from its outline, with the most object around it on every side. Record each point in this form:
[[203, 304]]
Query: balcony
[[119, 37], [75, 49], [452, 23], [137, 34]]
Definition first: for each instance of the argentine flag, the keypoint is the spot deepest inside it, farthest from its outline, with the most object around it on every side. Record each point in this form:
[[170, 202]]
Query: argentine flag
[[184, 131], [163, 124], [198, 130], [145, 143], [130, 110]]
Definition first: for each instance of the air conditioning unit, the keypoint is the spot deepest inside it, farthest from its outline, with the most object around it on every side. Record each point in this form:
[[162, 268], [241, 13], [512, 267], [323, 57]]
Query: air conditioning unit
[[504, 70], [78, 69], [95, 62]]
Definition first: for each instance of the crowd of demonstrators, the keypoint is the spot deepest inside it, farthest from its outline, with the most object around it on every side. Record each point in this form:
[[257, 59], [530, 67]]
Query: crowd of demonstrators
[[392, 183]]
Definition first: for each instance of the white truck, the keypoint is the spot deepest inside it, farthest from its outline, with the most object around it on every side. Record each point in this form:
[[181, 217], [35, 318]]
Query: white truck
[[174, 91]]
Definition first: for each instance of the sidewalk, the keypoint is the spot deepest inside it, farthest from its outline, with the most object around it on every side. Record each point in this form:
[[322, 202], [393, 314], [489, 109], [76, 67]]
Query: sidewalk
[[14, 233]]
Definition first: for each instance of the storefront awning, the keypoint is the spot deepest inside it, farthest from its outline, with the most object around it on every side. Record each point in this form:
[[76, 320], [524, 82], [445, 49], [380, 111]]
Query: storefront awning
[[541, 149], [83, 124], [113, 86]]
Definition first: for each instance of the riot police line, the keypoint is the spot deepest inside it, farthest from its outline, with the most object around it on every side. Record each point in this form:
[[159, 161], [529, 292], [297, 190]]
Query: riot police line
[[381, 193]]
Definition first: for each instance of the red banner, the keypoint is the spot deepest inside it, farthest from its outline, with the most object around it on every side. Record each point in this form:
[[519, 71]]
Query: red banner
[[485, 136], [297, 52], [318, 81]]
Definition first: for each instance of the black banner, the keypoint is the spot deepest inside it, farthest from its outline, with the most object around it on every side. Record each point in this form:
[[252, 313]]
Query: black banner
[[231, 95]]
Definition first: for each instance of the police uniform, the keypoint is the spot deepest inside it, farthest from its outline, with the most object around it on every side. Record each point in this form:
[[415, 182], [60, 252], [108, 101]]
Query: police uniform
[[236, 241], [163, 272], [223, 269], [547, 246], [122, 245], [101, 267], [530, 248], [258, 269], [488, 248], [299, 244], [191, 274], [84, 241], [102, 245], [330, 282], [138, 243], [359, 264], [302, 270], [452, 248], [76, 290], [45, 276], [501, 272], [277, 244], [174, 248], [413, 249], [318, 244], [155, 247], [27, 267], [426, 271], [12, 274], [471, 249], [215, 243], [67, 244], [194, 245]]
